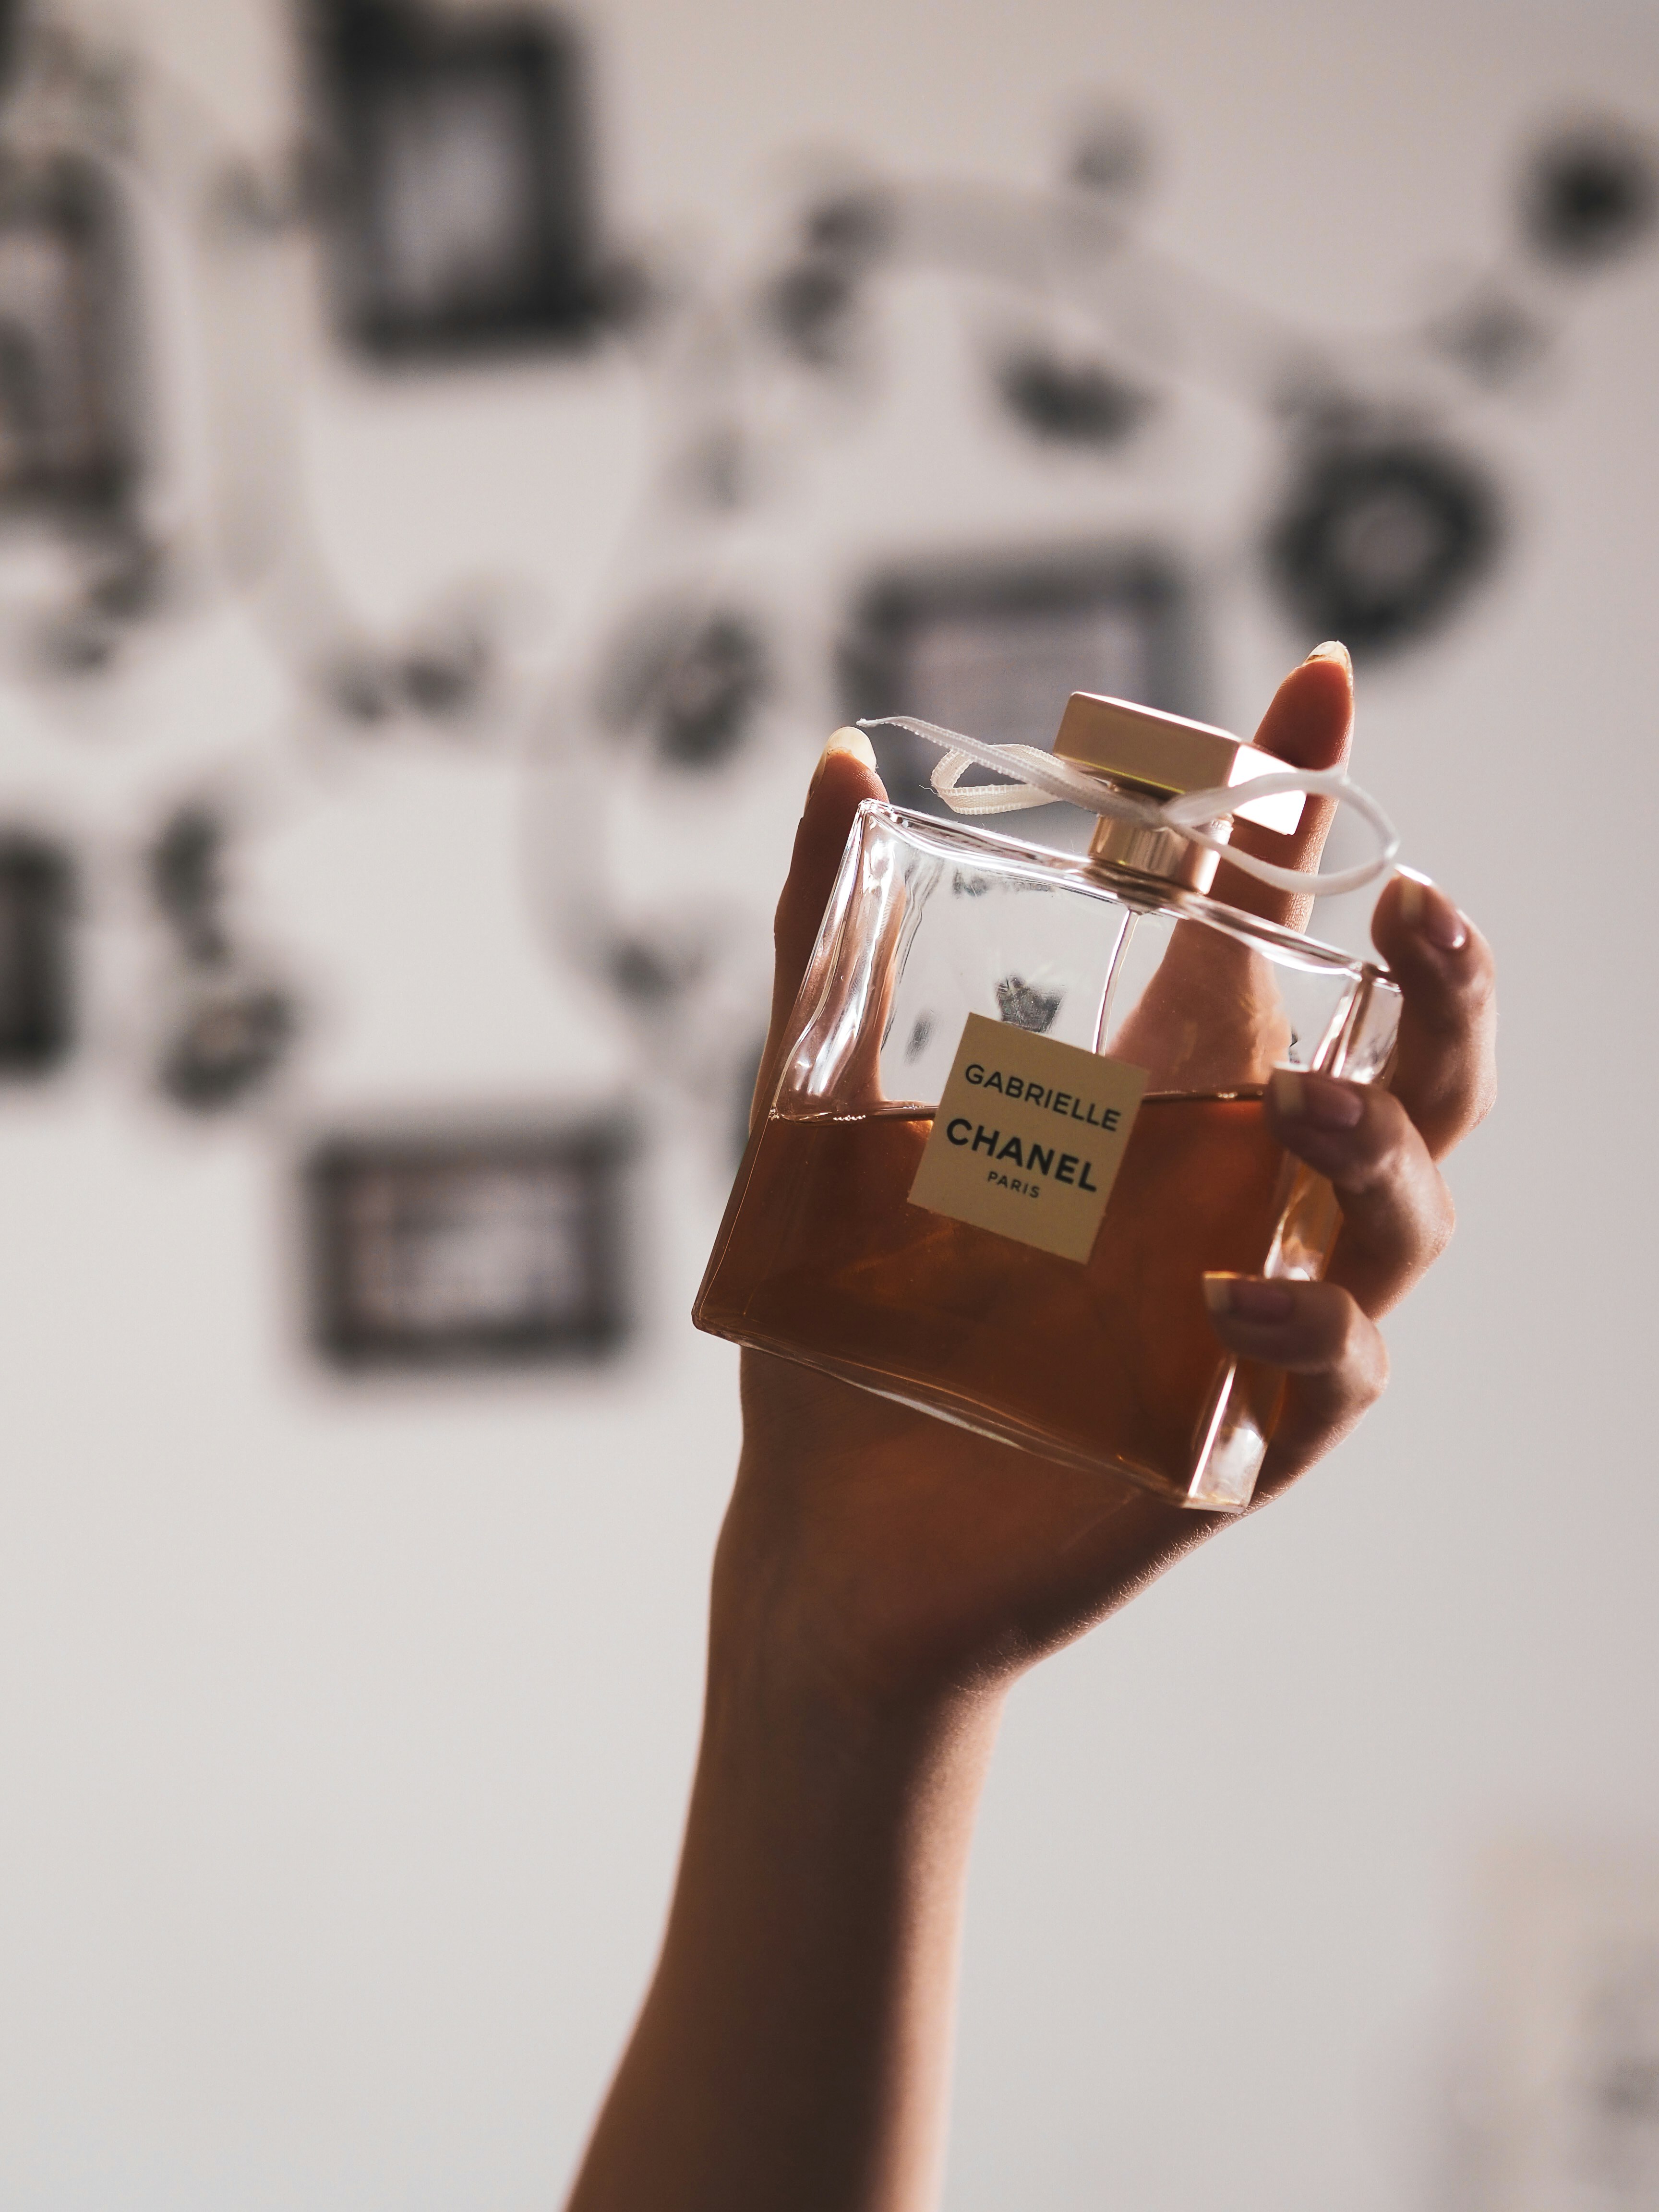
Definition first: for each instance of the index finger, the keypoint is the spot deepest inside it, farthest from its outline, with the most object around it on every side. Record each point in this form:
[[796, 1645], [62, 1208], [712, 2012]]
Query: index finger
[[1310, 724]]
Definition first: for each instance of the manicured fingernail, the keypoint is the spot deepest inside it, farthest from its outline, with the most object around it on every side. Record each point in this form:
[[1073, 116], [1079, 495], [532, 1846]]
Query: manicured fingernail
[[1425, 909], [847, 741], [1333, 649], [1247, 1298], [1319, 1100]]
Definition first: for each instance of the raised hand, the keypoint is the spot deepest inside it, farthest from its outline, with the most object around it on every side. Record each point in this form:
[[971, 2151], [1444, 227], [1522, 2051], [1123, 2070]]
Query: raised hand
[[906, 1555]]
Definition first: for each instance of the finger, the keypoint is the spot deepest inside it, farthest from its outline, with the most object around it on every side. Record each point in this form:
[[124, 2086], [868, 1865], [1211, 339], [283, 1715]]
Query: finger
[[843, 779], [1331, 1354], [1397, 1213], [1237, 1031], [1309, 725], [1445, 1069]]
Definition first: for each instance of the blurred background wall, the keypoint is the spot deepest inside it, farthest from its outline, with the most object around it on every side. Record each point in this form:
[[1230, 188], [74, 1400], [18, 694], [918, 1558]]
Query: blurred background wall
[[409, 667]]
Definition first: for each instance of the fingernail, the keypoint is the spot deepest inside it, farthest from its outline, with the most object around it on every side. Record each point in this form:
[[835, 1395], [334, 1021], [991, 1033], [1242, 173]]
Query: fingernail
[[1425, 909], [1247, 1298], [846, 739], [1333, 649], [1319, 1100]]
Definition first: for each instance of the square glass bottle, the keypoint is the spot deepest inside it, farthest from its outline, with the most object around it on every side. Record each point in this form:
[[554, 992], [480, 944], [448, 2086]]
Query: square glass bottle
[[1019, 1115]]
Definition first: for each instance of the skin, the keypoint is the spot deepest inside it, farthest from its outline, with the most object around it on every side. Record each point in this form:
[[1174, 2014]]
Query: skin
[[882, 1578]]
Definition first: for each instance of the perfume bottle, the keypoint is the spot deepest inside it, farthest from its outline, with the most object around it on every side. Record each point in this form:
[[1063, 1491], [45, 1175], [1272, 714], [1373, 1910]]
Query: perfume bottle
[[1020, 1116]]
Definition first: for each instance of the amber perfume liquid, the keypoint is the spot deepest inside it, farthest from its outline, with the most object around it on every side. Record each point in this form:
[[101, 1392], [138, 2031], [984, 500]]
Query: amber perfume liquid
[[1053, 1007], [824, 1248]]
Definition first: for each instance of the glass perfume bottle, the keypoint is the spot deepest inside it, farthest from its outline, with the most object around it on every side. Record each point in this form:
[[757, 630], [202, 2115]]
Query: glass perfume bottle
[[1020, 1116]]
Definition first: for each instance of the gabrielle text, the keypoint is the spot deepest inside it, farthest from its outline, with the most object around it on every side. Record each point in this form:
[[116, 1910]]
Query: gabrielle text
[[1057, 1101]]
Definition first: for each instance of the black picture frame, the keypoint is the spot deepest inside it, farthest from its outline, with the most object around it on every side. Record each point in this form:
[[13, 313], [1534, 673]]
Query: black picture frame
[[37, 905], [471, 1251], [995, 644], [70, 407], [462, 204]]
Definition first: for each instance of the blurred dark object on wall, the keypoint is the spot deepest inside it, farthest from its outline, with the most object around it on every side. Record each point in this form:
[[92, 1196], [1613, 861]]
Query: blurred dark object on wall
[[227, 1028], [186, 879], [1496, 336], [996, 644], [1590, 192], [1111, 155], [481, 1251], [813, 304], [68, 407], [1558, 2103], [460, 157], [1379, 542], [1072, 402], [37, 897], [230, 1038], [443, 673], [691, 681]]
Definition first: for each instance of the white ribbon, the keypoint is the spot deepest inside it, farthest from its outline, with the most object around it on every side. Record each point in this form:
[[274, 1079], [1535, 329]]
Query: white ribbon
[[1035, 778]]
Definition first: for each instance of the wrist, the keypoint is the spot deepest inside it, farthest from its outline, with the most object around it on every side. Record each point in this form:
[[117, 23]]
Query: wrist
[[795, 1659], [865, 1800]]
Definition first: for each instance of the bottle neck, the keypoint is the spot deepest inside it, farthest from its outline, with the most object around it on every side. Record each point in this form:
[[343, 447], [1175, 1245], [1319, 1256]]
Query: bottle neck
[[1162, 855]]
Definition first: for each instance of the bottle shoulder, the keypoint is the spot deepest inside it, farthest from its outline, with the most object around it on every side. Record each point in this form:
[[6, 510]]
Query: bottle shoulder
[[1005, 861]]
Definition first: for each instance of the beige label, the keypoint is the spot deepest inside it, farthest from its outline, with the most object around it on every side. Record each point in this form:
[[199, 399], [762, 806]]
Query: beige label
[[1029, 1137]]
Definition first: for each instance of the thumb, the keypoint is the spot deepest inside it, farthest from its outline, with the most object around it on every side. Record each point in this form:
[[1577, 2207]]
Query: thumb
[[843, 779]]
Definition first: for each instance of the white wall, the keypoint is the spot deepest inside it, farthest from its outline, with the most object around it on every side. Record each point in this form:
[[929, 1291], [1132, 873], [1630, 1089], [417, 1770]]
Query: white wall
[[344, 1731]]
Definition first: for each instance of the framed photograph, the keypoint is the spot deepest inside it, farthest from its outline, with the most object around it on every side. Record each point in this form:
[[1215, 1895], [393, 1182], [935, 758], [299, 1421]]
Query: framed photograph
[[996, 645], [474, 1251], [463, 214], [37, 883], [69, 427]]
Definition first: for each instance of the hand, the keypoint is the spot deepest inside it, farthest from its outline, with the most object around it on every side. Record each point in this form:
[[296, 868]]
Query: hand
[[887, 1555]]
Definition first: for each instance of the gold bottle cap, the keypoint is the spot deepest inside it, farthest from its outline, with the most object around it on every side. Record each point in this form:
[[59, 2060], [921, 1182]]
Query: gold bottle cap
[[1161, 757]]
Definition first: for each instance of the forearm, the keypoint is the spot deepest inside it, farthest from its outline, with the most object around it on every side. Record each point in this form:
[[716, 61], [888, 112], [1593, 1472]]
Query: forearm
[[794, 2047]]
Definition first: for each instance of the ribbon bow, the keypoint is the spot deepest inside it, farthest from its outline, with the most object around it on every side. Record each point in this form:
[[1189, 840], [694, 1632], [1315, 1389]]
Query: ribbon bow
[[1032, 777]]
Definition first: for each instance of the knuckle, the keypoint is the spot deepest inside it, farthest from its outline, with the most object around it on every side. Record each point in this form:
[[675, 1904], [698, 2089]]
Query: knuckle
[[1463, 1001], [1356, 1331], [1388, 1150], [1391, 1137], [1387, 1122], [1477, 989], [1362, 1355], [1438, 1216], [1480, 973], [1375, 1380], [1346, 1327]]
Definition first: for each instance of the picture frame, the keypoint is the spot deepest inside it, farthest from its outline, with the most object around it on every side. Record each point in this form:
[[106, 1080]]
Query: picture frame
[[470, 1250], [462, 207], [70, 430], [37, 901], [995, 644]]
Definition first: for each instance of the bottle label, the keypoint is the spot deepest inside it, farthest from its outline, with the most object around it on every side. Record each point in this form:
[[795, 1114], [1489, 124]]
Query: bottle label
[[1029, 1137]]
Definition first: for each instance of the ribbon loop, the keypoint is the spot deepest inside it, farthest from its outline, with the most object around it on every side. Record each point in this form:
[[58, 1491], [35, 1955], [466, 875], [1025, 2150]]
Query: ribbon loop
[[1032, 777]]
